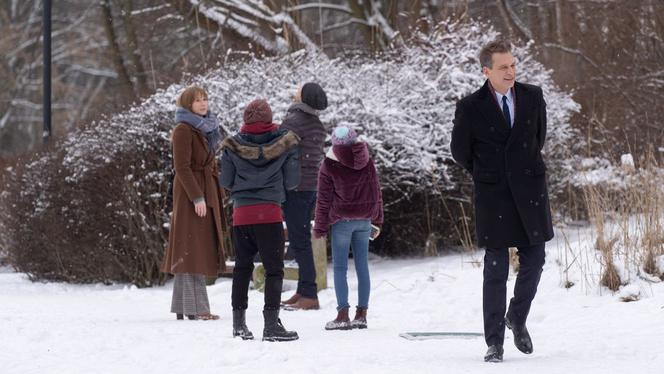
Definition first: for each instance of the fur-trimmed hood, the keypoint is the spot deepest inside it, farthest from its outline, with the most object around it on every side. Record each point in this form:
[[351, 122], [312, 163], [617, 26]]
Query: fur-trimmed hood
[[259, 168], [269, 145]]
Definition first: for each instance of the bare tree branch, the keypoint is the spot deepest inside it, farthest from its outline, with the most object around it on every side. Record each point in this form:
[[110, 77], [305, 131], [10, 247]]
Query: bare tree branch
[[116, 53], [572, 51]]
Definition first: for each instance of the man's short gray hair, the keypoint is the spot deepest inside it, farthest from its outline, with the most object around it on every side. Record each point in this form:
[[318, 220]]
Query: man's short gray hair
[[496, 46]]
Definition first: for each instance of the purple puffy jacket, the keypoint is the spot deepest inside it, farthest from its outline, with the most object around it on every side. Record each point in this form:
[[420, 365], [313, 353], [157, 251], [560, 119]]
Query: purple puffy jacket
[[348, 188]]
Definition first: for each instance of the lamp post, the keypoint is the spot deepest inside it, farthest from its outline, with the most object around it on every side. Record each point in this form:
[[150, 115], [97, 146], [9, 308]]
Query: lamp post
[[47, 70]]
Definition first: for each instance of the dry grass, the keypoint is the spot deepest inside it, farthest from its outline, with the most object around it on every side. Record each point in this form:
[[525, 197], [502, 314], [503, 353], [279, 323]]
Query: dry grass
[[514, 260], [628, 223]]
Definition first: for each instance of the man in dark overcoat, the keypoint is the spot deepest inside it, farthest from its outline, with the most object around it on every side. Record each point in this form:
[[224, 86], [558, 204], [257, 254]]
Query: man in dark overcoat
[[498, 136]]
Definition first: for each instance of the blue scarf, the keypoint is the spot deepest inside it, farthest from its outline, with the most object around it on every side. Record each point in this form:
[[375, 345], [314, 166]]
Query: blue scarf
[[208, 125]]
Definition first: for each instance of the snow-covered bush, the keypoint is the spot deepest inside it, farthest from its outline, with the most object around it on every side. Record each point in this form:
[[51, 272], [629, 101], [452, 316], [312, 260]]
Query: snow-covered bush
[[100, 221], [402, 103]]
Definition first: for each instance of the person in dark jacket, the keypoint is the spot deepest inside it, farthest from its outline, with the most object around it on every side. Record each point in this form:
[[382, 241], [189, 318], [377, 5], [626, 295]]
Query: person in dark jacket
[[498, 136], [257, 166], [302, 119], [350, 204]]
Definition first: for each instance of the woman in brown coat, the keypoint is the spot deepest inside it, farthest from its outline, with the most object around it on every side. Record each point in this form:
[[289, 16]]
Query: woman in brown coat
[[195, 245]]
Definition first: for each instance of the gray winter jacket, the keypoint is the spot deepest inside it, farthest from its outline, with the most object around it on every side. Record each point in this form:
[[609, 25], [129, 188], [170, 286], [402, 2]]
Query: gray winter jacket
[[258, 169], [303, 120]]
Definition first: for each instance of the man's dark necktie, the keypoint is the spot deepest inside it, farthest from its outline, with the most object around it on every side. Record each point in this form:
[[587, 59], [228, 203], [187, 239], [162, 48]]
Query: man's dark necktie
[[506, 111]]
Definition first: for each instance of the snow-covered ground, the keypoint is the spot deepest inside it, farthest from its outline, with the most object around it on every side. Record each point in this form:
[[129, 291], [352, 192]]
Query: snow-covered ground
[[61, 328]]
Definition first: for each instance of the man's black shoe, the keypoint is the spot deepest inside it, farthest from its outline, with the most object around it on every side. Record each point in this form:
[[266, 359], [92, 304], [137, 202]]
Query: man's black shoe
[[494, 354], [522, 339]]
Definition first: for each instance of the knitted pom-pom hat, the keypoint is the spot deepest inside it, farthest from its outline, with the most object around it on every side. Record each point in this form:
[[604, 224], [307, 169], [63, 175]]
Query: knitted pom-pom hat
[[343, 135]]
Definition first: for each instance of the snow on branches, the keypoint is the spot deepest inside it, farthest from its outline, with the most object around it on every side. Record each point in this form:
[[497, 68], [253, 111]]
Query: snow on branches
[[402, 103]]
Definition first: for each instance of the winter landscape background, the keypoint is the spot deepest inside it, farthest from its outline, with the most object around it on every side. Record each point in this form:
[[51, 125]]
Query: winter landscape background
[[83, 218]]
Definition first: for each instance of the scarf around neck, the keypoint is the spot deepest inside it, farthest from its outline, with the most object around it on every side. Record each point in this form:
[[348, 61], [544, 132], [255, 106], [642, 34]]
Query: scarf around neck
[[207, 124], [258, 128]]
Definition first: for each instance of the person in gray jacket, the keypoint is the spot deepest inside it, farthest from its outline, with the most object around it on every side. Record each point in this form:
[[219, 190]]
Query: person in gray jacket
[[258, 165], [302, 119]]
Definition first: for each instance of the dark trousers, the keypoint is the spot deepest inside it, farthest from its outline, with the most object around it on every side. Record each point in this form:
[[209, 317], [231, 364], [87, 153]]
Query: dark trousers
[[297, 209], [494, 292], [268, 240]]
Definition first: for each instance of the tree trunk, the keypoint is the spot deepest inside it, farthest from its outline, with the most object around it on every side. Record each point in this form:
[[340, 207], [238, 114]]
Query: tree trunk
[[512, 22], [358, 13], [116, 53], [141, 77], [559, 22], [292, 41]]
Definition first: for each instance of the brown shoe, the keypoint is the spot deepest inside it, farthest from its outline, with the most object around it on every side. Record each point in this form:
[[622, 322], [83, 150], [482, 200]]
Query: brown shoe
[[207, 317], [304, 303], [292, 300]]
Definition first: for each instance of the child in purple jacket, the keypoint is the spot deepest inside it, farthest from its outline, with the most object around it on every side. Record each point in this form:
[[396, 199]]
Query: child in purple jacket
[[349, 204]]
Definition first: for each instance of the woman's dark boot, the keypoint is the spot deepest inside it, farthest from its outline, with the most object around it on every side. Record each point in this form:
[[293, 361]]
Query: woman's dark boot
[[240, 325], [274, 331], [360, 320], [181, 316], [342, 322]]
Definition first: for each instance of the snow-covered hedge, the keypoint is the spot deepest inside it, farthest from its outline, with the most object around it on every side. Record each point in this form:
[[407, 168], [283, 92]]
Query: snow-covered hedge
[[402, 103]]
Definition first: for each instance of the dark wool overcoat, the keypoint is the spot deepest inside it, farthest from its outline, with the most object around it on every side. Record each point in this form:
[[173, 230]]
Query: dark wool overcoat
[[195, 243], [509, 174]]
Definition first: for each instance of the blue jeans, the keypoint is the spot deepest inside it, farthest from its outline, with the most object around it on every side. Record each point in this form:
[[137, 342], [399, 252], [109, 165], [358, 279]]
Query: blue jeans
[[298, 208], [355, 234]]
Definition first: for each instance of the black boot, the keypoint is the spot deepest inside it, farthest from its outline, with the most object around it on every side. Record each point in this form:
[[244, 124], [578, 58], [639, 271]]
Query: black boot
[[274, 331], [494, 353], [522, 339], [181, 316], [240, 325]]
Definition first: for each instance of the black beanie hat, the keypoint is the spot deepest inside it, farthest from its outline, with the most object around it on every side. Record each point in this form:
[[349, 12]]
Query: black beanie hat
[[314, 96]]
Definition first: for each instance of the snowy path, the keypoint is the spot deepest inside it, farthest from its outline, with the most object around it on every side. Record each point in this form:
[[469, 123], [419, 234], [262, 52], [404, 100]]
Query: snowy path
[[59, 328]]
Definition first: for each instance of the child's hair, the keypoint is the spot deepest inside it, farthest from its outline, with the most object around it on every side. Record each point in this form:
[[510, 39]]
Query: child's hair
[[189, 95]]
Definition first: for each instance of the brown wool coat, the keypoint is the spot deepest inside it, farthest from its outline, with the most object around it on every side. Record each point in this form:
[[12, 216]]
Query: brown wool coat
[[195, 244]]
